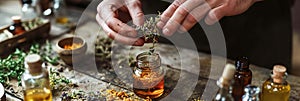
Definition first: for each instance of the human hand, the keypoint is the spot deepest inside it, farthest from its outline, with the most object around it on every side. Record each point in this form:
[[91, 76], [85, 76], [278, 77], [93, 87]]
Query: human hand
[[112, 15], [182, 15]]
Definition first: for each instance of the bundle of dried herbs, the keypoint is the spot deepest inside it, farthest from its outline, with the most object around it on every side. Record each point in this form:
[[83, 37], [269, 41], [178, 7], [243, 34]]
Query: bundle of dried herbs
[[150, 31], [103, 48]]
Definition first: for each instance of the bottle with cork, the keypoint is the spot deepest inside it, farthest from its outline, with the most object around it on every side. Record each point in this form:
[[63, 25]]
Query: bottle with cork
[[35, 80], [242, 78], [276, 88], [16, 28], [224, 84]]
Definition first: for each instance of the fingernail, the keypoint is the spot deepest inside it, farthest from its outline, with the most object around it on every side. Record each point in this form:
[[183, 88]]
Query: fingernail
[[166, 31]]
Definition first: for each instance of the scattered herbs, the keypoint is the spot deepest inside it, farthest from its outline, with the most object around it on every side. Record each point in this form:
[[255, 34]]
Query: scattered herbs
[[12, 67], [103, 48], [58, 81]]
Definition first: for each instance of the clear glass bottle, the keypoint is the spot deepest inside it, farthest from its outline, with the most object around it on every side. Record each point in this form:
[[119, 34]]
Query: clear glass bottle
[[251, 93], [60, 12], [224, 83], [16, 28], [30, 10], [276, 88], [35, 80], [242, 78], [148, 76]]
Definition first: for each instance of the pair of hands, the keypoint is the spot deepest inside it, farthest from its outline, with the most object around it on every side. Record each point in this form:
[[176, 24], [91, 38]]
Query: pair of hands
[[180, 16]]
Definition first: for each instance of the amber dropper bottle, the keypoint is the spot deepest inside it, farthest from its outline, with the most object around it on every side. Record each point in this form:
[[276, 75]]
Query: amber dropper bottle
[[242, 78]]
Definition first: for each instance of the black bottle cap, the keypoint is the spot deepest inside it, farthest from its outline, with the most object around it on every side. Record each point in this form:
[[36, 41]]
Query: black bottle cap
[[242, 63], [26, 1]]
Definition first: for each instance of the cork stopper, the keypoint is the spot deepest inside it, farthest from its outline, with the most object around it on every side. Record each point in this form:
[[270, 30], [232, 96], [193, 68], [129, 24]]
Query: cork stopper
[[16, 19], [33, 63], [278, 73], [227, 75]]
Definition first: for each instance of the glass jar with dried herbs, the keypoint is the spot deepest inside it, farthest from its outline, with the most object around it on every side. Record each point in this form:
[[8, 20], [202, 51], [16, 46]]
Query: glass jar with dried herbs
[[148, 76]]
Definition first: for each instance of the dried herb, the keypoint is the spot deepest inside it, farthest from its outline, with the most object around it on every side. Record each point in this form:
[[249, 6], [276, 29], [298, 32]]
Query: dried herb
[[103, 48], [150, 31], [58, 81]]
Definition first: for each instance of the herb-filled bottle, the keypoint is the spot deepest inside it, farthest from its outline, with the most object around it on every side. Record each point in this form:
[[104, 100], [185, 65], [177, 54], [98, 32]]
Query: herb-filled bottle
[[276, 88], [35, 80], [148, 76], [16, 28], [251, 93], [242, 78], [224, 83]]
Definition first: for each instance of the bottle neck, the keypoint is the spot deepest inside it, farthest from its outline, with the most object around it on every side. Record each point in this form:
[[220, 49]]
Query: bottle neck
[[279, 79]]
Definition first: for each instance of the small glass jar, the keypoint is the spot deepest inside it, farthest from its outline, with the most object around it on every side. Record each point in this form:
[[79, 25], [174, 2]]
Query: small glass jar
[[251, 93], [148, 76]]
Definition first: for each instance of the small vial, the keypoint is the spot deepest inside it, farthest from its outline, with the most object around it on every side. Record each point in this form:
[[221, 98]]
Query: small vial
[[251, 93], [35, 80]]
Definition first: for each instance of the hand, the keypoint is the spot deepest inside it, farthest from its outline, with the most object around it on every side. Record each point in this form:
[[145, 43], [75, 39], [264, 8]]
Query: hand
[[108, 15], [182, 15]]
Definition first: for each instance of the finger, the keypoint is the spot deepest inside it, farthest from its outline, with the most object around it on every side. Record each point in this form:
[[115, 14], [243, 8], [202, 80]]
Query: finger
[[113, 35], [168, 13], [215, 15], [179, 15], [135, 10], [196, 15], [121, 28]]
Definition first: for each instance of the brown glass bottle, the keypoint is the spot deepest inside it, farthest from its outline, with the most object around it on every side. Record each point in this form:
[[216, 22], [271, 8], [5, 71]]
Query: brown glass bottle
[[242, 78], [148, 76], [16, 28]]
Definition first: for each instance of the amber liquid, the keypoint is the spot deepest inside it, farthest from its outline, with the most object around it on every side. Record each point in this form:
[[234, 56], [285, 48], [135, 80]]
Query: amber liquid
[[148, 84], [38, 95], [241, 80], [275, 92], [62, 20]]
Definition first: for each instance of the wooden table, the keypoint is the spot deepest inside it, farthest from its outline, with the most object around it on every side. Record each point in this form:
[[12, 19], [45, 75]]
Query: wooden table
[[201, 78]]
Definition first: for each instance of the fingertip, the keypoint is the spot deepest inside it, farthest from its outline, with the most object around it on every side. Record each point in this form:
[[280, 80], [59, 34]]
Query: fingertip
[[182, 30], [210, 19], [167, 32]]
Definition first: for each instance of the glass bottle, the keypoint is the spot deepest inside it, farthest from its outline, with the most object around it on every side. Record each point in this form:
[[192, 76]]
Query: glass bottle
[[251, 93], [148, 76], [242, 78], [16, 28], [224, 83], [30, 10], [35, 80], [276, 88], [60, 13]]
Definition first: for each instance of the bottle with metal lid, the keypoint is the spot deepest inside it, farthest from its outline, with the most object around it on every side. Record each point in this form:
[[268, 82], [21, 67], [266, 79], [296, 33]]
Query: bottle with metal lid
[[35, 80], [242, 78], [16, 28], [251, 93], [224, 83], [276, 88]]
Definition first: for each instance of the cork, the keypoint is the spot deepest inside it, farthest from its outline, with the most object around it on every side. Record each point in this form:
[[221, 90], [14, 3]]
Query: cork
[[278, 73], [16, 19], [33, 63], [228, 74]]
